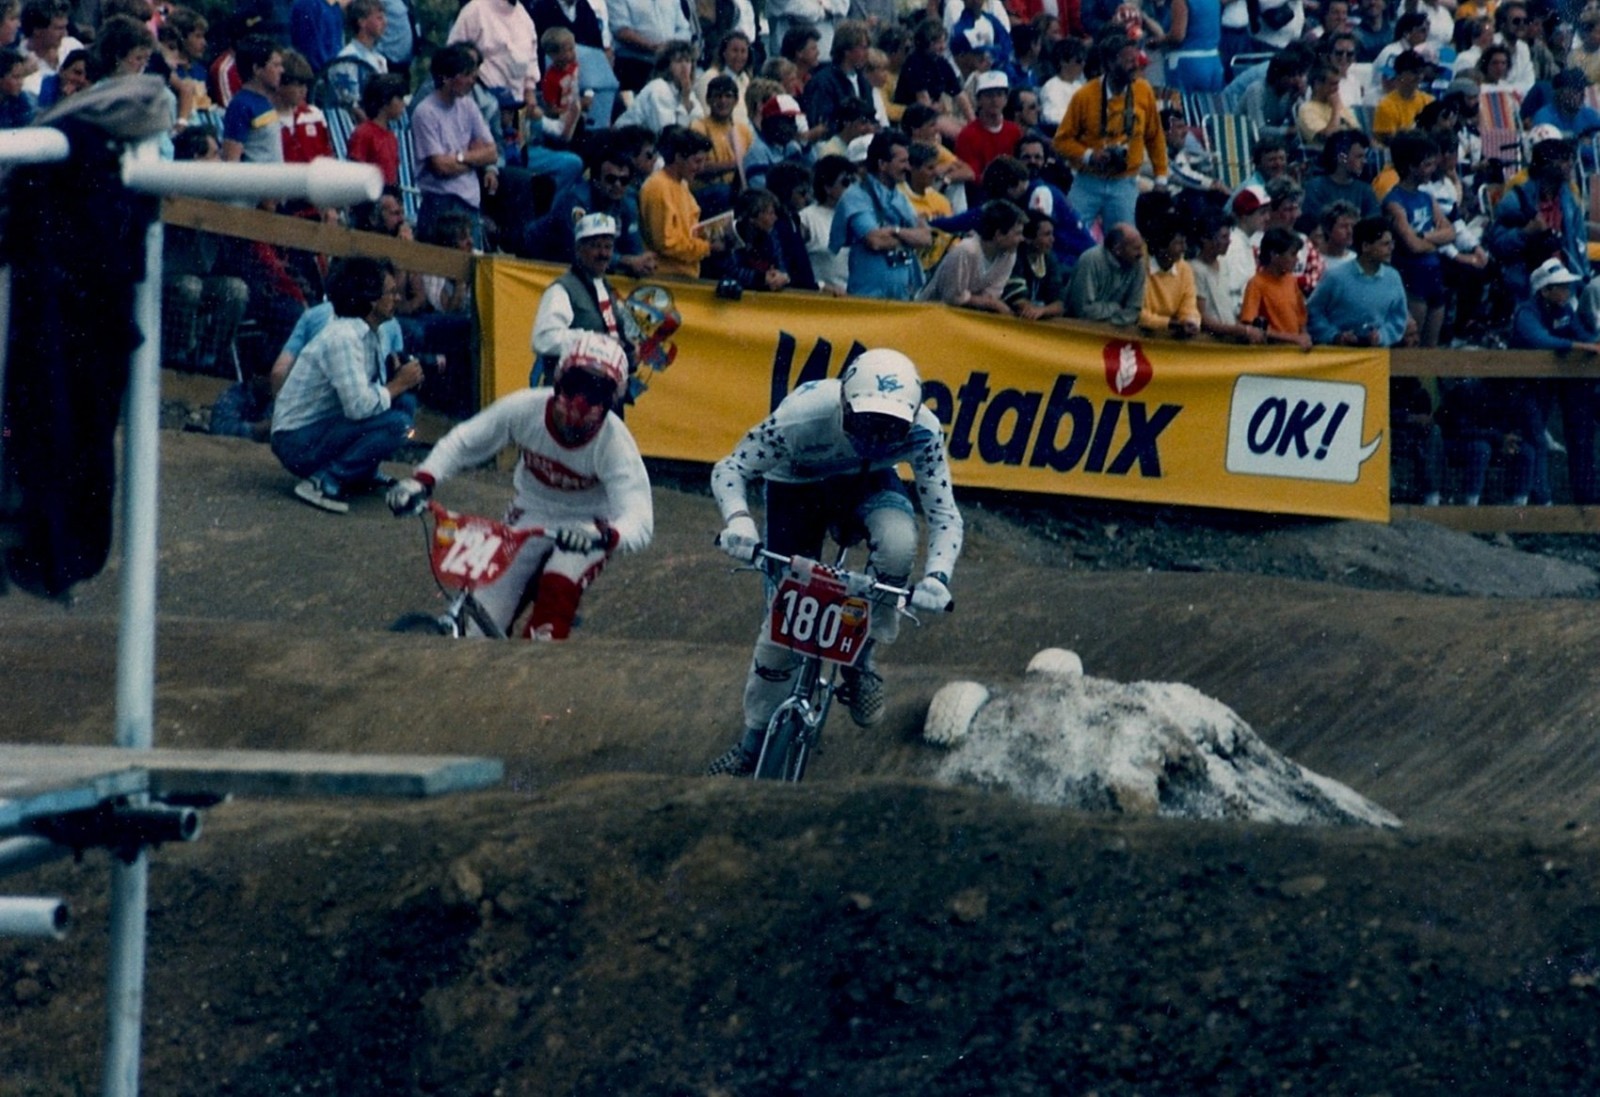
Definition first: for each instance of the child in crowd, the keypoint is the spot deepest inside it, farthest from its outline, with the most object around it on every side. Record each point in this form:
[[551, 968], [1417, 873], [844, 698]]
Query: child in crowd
[[383, 101], [1070, 55], [1273, 301], [1420, 230], [757, 263], [830, 178], [1338, 224], [791, 183], [16, 109], [305, 128], [1170, 305], [559, 84]]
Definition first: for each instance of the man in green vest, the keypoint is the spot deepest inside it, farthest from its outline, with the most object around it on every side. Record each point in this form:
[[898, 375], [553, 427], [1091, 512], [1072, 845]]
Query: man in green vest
[[582, 300]]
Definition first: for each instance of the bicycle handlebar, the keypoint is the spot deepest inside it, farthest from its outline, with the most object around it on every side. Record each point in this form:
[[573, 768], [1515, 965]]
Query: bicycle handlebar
[[854, 579]]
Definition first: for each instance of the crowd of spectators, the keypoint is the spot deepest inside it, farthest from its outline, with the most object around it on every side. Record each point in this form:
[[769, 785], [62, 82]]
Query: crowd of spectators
[[1029, 158]]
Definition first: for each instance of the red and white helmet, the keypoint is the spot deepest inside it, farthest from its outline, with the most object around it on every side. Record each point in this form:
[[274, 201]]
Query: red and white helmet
[[597, 353]]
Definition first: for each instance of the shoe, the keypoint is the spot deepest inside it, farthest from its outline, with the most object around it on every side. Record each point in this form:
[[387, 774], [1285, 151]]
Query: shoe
[[317, 494], [861, 691], [732, 763]]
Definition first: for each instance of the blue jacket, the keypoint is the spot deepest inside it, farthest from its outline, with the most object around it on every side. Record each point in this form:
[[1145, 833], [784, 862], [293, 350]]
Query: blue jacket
[[1519, 253], [1539, 325]]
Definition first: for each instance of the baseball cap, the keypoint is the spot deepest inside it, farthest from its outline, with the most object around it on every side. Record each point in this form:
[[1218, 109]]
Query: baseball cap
[[780, 104], [1545, 131], [1248, 200], [594, 224], [1570, 78], [992, 81], [1552, 272]]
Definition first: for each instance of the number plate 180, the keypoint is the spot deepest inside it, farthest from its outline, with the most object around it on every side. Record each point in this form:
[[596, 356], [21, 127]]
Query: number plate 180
[[818, 618]]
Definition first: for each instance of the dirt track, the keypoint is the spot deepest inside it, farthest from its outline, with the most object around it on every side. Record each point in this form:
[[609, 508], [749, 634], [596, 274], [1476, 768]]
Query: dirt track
[[612, 923]]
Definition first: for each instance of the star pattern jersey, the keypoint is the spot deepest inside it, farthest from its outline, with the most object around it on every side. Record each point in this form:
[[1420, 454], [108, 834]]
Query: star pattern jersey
[[803, 442]]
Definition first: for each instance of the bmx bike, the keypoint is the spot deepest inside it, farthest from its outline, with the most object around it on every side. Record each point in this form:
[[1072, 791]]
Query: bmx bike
[[823, 613], [465, 552]]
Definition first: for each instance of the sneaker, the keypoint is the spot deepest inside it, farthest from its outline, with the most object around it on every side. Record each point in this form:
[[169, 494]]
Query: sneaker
[[732, 763], [315, 493], [861, 691]]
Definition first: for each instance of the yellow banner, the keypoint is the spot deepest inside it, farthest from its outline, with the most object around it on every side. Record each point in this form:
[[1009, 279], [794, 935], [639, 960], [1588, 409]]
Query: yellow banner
[[1049, 408]]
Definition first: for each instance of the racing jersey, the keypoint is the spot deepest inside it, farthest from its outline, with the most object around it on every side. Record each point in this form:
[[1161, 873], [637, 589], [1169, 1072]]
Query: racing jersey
[[804, 442], [604, 478]]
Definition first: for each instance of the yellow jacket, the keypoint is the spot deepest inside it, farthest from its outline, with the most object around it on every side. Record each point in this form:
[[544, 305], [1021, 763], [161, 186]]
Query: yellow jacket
[[1093, 122]]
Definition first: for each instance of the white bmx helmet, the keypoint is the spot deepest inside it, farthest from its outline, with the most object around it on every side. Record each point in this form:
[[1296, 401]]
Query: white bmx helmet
[[884, 382]]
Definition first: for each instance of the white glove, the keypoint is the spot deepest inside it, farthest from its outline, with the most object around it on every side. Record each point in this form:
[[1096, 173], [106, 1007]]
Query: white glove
[[931, 594], [740, 538], [576, 538], [407, 496]]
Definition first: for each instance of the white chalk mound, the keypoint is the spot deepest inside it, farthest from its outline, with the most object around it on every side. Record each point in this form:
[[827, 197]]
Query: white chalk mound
[[1063, 738]]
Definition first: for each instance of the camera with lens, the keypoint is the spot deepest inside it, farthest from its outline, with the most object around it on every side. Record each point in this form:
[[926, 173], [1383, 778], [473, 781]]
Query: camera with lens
[[729, 289], [1116, 159]]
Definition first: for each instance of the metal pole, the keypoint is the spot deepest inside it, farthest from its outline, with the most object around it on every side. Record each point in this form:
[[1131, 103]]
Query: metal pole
[[130, 884], [136, 661]]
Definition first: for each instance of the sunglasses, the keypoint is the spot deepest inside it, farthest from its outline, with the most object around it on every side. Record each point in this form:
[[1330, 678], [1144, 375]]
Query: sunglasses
[[614, 177], [1344, 53]]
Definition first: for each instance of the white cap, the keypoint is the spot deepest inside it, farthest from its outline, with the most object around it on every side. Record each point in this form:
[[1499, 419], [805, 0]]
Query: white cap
[[1544, 131], [594, 224], [1552, 272], [856, 150], [991, 81]]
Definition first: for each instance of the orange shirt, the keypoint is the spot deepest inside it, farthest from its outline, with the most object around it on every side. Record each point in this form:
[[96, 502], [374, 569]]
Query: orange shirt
[[1278, 298]]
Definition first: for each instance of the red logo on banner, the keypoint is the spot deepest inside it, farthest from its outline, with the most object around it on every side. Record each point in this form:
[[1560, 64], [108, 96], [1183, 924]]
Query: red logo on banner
[[1128, 371]]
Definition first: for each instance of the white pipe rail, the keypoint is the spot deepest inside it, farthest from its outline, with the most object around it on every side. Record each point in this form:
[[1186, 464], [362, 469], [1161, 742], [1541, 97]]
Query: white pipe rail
[[323, 182], [32, 145], [29, 917]]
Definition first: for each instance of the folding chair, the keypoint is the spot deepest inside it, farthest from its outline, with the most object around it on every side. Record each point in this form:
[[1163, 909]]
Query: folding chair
[[1231, 139], [1500, 125], [341, 123]]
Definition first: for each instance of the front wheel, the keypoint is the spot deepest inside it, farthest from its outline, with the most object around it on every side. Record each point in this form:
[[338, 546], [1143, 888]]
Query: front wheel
[[783, 752], [427, 623]]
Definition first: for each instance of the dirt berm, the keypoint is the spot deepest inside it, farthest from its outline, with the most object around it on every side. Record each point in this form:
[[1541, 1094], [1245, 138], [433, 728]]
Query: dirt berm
[[611, 922]]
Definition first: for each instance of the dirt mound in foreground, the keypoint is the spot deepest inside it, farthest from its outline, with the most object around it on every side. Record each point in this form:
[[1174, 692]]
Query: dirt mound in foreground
[[612, 923]]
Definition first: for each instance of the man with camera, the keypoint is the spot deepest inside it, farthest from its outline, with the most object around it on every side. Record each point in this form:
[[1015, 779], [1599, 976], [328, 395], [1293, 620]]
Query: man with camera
[[1111, 125], [875, 221], [337, 418]]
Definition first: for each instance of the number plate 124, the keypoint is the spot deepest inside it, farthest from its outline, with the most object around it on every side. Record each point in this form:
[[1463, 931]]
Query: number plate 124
[[818, 618]]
